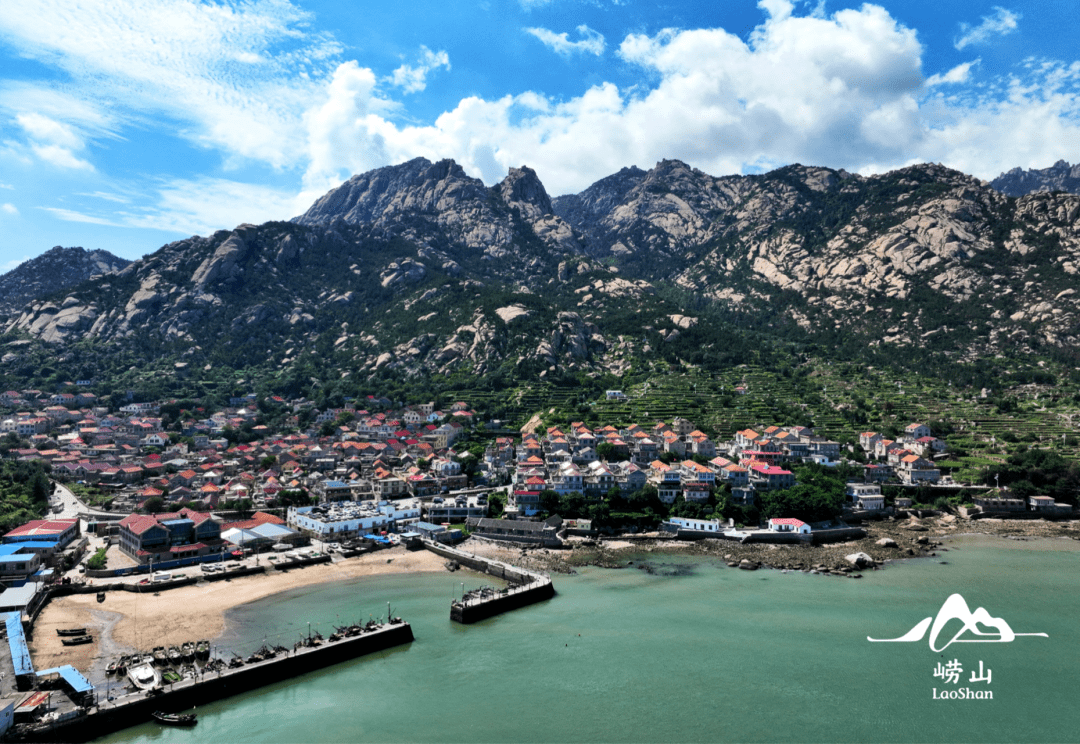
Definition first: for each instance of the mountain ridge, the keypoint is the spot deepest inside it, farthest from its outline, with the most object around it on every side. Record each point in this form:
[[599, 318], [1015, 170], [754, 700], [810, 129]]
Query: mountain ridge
[[417, 269]]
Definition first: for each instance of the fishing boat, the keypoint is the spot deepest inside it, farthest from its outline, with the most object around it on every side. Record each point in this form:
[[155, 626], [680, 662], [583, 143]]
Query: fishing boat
[[188, 652], [202, 650], [175, 656], [144, 676], [100, 597], [70, 631], [161, 657], [175, 719], [77, 641]]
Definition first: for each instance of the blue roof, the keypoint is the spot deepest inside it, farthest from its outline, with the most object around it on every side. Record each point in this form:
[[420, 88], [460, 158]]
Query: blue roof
[[175, 522], [20, 654], [15, 558], [429, 526], [31, 544], [335, 484], [71, 675]]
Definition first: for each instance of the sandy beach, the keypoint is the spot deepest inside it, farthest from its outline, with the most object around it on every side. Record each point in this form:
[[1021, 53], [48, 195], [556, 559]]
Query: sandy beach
[[127, 620]]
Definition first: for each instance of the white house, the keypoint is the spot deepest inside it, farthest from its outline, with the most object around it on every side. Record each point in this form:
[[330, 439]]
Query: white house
[[789, 525]]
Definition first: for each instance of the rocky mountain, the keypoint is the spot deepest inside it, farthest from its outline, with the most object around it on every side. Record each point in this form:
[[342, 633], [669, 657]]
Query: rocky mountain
[[1059, 177], [418, 269], [52, 271]]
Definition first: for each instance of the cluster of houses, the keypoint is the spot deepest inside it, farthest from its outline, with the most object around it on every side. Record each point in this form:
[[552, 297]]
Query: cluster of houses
[[376, 455], [908, 458], [662, 456]]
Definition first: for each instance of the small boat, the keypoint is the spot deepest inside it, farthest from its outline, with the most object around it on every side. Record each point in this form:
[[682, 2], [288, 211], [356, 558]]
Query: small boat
[[161, 657], [77, 641], [175, 656], [202, 650], [188, 652], [100, 597], [70, 631], [144, 676], [175, 719]]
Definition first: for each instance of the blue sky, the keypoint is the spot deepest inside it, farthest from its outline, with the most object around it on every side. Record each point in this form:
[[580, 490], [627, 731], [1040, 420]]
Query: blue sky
[[129, 124]]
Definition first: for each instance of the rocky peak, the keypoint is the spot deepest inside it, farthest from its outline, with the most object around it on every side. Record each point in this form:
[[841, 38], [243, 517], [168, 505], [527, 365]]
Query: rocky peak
[[416, 186], [1061, 176], [522, 189], [599, 199], [53, 271]]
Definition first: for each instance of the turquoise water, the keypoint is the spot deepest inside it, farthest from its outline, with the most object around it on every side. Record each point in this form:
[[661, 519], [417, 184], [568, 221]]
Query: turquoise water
[[693, 652]]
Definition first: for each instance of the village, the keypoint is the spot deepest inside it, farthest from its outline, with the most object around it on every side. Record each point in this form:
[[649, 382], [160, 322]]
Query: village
[[146, 503], [159, 499]]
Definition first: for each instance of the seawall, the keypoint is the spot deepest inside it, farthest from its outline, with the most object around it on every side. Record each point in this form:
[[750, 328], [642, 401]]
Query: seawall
[[527, 587], [139, 707]]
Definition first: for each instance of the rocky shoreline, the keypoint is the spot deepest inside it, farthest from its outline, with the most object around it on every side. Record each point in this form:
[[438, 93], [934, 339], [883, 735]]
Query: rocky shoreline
[[886, 540]]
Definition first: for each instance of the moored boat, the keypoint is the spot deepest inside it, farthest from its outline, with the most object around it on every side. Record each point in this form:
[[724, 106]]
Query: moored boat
[[161, 657], [175, 719], [202, 650], [175, 656], [144, 676], [70, 631], [77, 641], [101, 597]]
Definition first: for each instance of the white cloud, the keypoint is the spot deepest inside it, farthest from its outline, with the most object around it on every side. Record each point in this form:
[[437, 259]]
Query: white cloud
[[52, 141], [201, 206], [413, 79], [591, 42], [13, 264], [9, 209], [959, 74], [106, 196], [233, 75], [194, 207], [844, 90], [1000, 23], [71, 215], [530, 4]]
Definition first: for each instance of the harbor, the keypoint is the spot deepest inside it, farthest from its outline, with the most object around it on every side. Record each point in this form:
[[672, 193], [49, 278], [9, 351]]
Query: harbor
[[216, 680]]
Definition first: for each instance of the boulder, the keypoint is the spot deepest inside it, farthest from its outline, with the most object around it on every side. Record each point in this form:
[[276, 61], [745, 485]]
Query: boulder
[[859, 560], [887, 542]]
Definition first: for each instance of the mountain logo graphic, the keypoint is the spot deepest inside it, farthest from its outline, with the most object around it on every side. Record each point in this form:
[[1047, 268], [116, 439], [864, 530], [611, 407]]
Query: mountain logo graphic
[[978, 623]]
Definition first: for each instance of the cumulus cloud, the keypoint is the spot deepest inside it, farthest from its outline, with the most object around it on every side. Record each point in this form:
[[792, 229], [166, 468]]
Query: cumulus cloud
[[53, 142], [413, 78], [1000, 23], [845, 89], [959, 74], [591, 42], [9, 209]]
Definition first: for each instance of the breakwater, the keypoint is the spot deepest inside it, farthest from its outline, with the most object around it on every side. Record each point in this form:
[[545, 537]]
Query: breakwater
[[526, 587], [130, 710]]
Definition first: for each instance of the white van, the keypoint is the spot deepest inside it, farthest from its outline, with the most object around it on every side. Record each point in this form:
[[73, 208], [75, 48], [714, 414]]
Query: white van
[[160, 577]]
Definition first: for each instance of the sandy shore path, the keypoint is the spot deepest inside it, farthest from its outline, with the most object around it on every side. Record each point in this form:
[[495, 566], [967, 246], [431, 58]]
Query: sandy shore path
[[127, 620]]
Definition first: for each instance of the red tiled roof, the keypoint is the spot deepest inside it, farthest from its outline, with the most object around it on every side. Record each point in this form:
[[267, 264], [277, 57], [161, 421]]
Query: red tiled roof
[[788, 520], [42, 527]]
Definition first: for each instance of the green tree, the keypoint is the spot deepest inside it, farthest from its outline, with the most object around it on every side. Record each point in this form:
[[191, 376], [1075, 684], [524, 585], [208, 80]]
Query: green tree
[[549, 501], [605, 451]]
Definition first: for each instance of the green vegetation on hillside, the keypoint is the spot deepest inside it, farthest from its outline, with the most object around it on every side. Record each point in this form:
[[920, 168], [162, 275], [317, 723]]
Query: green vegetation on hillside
[[24, 492]]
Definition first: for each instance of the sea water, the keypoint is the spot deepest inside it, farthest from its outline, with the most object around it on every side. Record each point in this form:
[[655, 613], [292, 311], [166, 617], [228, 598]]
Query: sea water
[[688, 650]]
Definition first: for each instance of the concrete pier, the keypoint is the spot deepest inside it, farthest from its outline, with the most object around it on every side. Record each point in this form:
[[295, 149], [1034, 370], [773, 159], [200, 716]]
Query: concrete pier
[[139, 707], [526, 587]]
